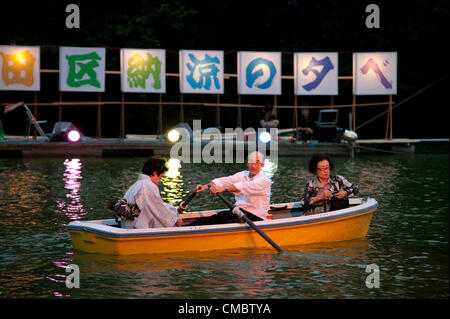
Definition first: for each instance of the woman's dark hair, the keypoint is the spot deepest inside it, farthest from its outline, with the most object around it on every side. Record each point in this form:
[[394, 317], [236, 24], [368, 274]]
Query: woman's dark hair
[[154, 165], [315, 160]]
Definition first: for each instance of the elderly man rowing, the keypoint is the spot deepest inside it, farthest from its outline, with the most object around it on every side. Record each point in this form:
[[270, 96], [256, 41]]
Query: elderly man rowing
[[251, 189]]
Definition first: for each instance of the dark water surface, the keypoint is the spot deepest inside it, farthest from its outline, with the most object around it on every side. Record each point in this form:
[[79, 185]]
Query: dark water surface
[[407, 239]]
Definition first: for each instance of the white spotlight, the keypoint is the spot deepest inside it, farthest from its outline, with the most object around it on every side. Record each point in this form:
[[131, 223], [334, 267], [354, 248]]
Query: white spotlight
[[173, 136], [264, 137]]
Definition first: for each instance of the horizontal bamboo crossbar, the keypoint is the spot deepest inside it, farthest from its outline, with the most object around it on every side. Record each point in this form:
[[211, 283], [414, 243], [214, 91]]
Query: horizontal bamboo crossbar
[[226, 75], [202, 104]]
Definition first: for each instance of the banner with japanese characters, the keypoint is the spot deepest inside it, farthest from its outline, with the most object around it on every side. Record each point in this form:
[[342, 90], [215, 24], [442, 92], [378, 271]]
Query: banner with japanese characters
[[316, 73], [201, 71], [20, 68], [259, 73], [375, 73], [143, 70], [82, 69]]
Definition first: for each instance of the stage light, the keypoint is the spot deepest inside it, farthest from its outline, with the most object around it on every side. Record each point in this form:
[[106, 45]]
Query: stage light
[[74, 136], [264, 137], [66, 132], [173, 136], [180, 132]]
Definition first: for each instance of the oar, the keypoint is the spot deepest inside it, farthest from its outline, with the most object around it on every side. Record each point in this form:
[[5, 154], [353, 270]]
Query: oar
[[241, 214], [186, 202]]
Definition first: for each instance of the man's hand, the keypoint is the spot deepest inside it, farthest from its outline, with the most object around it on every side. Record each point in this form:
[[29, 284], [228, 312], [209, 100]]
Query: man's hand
[[201, 188], [182, 207], [179, 222]]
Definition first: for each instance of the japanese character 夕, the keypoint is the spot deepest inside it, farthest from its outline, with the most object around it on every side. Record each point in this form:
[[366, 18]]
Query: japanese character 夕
[[327, 66]]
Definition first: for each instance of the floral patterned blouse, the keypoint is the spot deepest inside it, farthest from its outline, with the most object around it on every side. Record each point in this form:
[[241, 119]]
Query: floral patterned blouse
[[335, 184]]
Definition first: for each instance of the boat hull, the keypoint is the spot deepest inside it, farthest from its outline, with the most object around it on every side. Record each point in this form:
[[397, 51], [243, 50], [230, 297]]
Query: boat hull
[[99, 237]]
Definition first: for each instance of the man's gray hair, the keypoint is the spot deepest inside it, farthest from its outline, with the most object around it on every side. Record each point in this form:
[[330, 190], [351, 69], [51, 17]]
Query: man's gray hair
[[254, 157]]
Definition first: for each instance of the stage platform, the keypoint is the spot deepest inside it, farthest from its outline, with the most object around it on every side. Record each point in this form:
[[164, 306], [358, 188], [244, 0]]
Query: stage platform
[[148, 146], [151, 145]]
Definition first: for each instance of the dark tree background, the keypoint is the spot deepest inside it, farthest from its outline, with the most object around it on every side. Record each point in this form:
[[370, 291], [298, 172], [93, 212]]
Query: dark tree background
[[417, 30]]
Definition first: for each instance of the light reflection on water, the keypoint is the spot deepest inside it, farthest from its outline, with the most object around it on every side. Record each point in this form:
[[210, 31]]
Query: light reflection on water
[[172, 183], [72, 206], [408, 237]]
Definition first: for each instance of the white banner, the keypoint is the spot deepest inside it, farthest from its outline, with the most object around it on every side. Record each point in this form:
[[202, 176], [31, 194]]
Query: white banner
[[201, 71], [82, 69], [375, 73], [259, 73], [143, 70], [316, 73], [20, 68]]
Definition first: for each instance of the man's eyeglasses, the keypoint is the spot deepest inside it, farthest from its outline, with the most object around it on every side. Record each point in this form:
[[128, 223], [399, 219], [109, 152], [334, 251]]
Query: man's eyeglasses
[[323, 168]]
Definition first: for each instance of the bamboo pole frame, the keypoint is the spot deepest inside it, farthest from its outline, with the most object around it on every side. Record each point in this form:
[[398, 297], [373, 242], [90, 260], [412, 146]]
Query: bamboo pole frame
[[226, 75], [99, 116], [296, 117], [275, 102], [389, 133], [60, 107], [99, 103], [122, 117], [354, 113], [239, 118], [205, 104], [218, 111], [35, 114], [160, 114], [181, 117], [218, 105]]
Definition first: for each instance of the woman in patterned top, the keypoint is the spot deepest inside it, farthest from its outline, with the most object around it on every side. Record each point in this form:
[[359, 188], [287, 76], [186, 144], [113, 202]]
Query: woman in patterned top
[[325, 188]]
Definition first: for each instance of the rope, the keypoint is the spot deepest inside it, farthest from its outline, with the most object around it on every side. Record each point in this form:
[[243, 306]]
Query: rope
[[405, 100], [395, 152], [380, 150]]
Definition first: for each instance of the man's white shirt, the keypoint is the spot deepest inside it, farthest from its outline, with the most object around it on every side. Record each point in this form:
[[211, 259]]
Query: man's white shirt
[[253, 194]]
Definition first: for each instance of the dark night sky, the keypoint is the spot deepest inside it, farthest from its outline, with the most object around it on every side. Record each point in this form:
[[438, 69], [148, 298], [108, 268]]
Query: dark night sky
[[415, 29]]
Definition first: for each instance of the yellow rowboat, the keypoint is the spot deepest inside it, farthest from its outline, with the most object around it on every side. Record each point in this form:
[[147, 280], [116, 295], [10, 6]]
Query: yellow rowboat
[[288, 227]]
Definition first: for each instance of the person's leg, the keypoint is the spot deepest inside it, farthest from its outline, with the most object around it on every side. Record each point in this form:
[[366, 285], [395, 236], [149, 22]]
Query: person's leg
[[220, 218], [252, 217], [2, 131], [223, 218]]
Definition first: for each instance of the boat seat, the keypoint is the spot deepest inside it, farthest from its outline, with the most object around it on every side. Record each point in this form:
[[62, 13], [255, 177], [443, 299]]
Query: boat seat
[[275, 208], [285, 213]]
